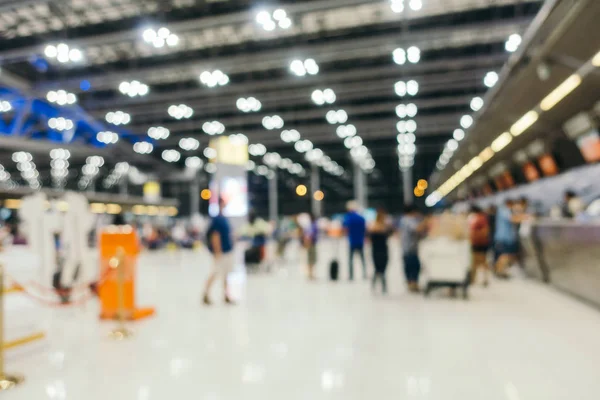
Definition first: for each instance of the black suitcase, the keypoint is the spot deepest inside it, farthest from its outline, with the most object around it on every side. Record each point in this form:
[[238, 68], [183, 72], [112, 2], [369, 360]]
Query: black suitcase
[[334, 270]]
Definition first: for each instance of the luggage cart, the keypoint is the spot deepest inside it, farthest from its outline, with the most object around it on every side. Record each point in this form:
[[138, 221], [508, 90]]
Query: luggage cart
[[446, 263]]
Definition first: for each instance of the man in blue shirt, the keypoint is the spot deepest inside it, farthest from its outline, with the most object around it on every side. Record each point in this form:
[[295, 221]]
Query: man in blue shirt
[[356, 227], [220, 244]]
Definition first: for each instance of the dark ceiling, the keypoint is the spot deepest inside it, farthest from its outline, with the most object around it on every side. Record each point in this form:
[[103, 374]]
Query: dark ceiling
[[352, 42]]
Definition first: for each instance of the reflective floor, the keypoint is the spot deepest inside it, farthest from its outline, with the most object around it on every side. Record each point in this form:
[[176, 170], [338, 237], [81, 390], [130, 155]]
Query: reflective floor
[[292, 339]]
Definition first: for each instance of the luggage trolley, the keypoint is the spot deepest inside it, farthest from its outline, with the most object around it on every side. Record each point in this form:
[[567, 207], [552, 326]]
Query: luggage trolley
[[446, 262]]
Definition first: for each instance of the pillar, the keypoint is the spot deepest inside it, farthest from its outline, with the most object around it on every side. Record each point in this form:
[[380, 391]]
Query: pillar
[[315, 184], [195, 195], [124, 186], [360, 187], [273, 197], [407, 186]]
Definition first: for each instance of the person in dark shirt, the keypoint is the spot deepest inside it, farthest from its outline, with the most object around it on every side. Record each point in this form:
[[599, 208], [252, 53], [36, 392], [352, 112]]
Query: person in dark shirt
[[379, 232], [220, 244], [356, 228]]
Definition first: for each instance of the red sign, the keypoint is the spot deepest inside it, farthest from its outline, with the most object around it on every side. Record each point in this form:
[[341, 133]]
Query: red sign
[[531, 172], [548, 165]]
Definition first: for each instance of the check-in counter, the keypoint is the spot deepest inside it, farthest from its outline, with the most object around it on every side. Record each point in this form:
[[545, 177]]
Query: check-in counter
[[565, 254]]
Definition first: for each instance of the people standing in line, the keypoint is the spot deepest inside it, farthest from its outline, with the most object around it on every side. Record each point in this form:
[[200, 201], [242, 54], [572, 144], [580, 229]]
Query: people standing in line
[[220, 244], [379, 232], [412, 229], [355, 226], [310, 237], [480, 242], [506, 236]]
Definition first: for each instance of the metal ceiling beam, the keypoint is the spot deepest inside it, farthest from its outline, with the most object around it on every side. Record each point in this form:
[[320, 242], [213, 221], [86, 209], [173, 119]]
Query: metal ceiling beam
[[323, 52], [269, 92], [311, 18]]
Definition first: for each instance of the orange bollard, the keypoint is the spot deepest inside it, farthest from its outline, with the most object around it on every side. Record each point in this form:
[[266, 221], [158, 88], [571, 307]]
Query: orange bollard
[[121, 240]]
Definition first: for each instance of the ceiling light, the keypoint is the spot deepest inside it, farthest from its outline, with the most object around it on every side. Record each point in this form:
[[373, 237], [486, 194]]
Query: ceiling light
[[133, 88], [143, 147], [524, 123], [209, 153], [107, 137], [397, 6], [513, 42], [501, 142], [250, 104], [344, 131], [158, 133], [171, 155], [302, 146], [490, 79], [466, 121], [194, 162], [399, 56], [458, 134], [60, 124], [486, 154], [5, 106], [180, 111], [274, 122], [290, 136], [413, 54], [415, 5], [257, 149], [213, 128], [411, 126], [238, 139], [161, 37], [189, 144], [214, 78], [410, 88], [63, 53], [118, 118], [301, 68], [452, 145], [210, 168], [336, 117], [61, 97], [476, 103], [270, 21], [561, 91], [596, 60]]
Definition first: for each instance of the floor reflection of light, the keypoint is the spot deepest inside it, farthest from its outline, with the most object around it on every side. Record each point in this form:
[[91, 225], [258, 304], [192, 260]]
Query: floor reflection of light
[[253, 373], [331, 380], [280, 349], [56, 390], [143, 393], [178, 365], [57, 359], [511, 391]]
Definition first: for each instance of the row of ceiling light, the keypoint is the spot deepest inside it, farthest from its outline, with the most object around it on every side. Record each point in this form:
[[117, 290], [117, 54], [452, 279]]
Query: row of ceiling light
[[516, 129]]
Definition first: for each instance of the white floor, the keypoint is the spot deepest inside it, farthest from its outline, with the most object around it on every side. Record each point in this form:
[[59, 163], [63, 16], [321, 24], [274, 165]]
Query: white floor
[[291, 339]]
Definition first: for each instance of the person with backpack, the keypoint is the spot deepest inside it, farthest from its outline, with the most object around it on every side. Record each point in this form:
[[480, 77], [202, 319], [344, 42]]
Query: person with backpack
[[479, 228], [220, 244]]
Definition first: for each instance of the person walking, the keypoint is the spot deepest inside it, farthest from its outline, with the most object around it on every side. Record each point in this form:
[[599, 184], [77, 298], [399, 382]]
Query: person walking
[[480, 242], [220, 244], [355, 226], [412, 227], [310, 238], [379, 233]]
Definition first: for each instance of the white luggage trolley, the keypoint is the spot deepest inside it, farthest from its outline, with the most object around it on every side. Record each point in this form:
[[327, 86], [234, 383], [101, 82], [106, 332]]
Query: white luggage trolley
[[446, 263]]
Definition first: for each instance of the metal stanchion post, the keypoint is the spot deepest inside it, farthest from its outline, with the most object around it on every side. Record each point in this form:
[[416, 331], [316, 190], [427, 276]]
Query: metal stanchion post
[[6, 381], [118, 263]]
